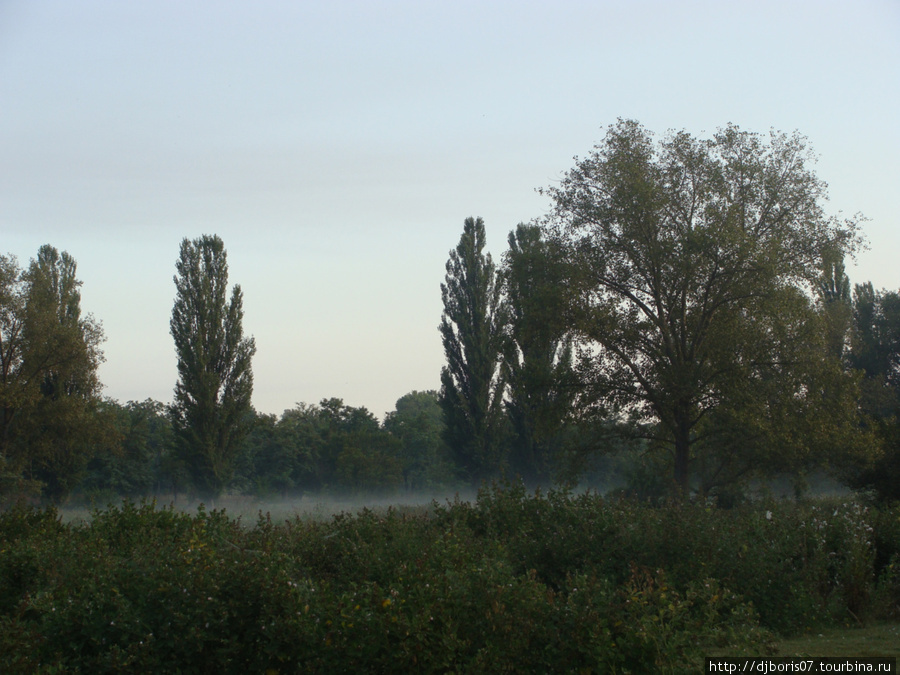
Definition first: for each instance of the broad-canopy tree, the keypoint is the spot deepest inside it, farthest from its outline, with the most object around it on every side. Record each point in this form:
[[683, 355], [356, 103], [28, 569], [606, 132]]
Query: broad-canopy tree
[[473, 331], [49, 389], [692, 266], [341, 448], [417, 422], [537, 358], [211, 411], [134, 464]]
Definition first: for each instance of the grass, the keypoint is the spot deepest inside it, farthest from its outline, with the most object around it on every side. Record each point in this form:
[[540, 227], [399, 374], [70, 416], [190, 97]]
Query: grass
[[881, 639], [875, 640]]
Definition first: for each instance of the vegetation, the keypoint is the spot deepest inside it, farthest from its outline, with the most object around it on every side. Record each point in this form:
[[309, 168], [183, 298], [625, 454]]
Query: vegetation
[[210, 412], [690, 261], [875, 353], [512, 582], [538, 356], [680, 325], [50, 413], [472, 331]]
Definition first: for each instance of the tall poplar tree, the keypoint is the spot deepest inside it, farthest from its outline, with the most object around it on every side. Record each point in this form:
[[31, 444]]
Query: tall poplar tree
[[537, 360], [472, 331], [211, 410]]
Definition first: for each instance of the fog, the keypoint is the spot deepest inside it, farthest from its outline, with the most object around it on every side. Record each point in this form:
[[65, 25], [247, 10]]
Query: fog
[[313, 507]]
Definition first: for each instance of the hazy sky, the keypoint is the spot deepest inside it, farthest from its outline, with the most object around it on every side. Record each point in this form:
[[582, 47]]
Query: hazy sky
[[337, 147]]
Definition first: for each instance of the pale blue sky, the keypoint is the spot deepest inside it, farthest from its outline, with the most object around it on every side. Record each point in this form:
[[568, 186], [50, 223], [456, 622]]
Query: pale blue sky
[[337, 148]]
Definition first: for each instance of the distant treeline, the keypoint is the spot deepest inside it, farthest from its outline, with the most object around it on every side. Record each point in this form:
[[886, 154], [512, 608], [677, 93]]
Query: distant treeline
[[684, 305]]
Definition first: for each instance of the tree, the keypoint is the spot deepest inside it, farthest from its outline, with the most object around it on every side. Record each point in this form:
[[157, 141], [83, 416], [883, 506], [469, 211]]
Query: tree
[[131, 465], [875, 352], [13, 392], [211, 411], [418, 423], [50, 419], [537, 360], [833, 291], [875, 341], [694, 261], [472, 331], [338, 447]]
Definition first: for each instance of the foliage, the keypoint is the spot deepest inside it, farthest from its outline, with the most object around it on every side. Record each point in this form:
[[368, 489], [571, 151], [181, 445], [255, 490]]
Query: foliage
[[330, 446], [50, 418], [472, 332], [140, 463], [692, 260], [537, 360], [875, 352], [833, 292], [512, 582], [211, 409], [417, 423], [356, 454]]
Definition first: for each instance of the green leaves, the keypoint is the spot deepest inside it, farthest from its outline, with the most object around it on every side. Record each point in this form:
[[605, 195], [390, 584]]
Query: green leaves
[[211, 408], [538, 356], [472, 331], [692, 263], [49, 390]]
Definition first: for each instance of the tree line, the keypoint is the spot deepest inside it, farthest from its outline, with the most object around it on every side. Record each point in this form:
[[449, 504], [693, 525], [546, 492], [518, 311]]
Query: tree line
[[683, 304], [688, 295], [60, 436]]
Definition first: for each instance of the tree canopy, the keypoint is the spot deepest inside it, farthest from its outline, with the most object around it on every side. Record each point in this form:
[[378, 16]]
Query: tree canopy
[[692, 264], [473, 331], [211, 411], [50, 422], [537, 358]]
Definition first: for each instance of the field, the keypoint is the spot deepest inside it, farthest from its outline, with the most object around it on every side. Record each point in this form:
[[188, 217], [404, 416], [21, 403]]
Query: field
[[506, 582]]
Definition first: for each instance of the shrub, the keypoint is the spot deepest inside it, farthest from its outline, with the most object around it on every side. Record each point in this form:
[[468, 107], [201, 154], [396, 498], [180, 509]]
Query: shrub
[[512, 582]]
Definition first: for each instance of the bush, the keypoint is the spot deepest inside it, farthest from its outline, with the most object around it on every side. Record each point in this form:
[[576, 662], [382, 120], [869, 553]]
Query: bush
[[512, 582]]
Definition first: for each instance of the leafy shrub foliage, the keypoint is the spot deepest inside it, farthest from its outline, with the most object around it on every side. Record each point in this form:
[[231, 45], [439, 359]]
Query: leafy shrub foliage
[[512, 582]]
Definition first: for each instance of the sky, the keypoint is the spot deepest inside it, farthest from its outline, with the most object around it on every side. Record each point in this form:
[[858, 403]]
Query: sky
[[337, 147]]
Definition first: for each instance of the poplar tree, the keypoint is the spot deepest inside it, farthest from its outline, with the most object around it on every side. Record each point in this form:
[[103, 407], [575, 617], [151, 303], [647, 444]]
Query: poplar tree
[[211, 411], [537, 363], [472, 331]]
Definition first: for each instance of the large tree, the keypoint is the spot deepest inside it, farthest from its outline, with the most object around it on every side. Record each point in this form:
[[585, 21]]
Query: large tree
[[211, 411], [472, 331], [694, 261], [537, 359], [49, 391], [418, 423]]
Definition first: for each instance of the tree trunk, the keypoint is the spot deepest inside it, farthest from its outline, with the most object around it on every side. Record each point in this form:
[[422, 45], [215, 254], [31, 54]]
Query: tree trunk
[[682, 452]]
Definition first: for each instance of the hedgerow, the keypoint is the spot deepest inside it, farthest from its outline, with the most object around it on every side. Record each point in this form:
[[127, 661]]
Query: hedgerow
[[512, 582]]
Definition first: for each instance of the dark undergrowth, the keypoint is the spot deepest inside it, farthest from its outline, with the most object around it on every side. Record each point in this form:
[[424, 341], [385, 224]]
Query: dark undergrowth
[[512, 582]]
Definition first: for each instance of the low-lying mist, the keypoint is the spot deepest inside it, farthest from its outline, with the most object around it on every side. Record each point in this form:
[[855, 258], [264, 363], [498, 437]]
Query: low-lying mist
[[324, 506], [321, 507]]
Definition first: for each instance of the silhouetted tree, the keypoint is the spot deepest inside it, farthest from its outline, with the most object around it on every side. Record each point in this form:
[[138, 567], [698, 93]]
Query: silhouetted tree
[[537, 363], [694, 259], [211, 411], [875, 352], [472, 331], [418, 423], [50, 420]]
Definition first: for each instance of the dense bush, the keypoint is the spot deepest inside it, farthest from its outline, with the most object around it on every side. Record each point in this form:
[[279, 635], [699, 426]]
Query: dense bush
[[511, 582]]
